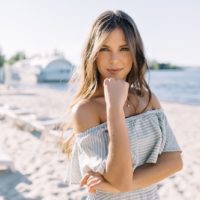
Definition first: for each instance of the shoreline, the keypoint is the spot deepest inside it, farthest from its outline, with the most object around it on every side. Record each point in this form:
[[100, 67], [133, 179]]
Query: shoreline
[[63, 88]]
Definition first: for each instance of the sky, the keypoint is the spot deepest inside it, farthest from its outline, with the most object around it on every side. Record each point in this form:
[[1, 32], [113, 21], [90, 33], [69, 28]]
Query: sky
[[170, 29]]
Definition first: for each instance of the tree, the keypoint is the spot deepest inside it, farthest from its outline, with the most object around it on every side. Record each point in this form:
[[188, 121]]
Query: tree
[[154, 65], [2, 59], [16, 57]]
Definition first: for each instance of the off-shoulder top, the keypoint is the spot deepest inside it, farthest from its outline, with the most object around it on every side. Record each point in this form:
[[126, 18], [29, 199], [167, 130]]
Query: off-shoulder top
[[149, 135]]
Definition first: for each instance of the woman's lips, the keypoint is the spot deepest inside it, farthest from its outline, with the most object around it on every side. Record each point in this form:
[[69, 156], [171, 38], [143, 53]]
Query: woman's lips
[[114, 71]]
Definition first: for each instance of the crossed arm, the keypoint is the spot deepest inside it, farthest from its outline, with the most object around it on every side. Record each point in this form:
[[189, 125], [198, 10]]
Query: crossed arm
[[168, 163]]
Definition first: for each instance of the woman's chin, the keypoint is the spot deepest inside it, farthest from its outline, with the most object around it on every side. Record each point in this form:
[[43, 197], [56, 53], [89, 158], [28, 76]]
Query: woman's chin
[[116, 76]]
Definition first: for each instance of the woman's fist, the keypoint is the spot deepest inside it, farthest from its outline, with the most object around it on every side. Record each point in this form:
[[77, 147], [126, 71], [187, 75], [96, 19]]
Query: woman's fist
[[115, 92]]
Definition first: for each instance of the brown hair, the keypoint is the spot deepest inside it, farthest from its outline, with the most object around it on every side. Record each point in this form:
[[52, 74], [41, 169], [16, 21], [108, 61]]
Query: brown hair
[[87, 74]]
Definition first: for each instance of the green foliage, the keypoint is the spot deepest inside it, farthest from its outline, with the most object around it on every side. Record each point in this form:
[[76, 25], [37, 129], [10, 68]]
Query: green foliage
[[16, 57], [2, 59], [154, 65]]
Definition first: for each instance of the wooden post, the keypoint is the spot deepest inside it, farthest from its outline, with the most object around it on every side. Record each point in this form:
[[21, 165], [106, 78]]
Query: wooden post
[[7, 76]]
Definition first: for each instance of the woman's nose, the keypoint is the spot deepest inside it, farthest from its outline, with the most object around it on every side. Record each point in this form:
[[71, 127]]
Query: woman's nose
[[114, 57]]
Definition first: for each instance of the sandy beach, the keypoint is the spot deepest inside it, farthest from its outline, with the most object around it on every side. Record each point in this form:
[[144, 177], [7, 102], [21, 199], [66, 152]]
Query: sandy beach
[[40, 166]]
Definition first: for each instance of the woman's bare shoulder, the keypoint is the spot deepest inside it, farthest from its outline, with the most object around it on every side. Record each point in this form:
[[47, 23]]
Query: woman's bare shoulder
[[155, 103], [85, 115]]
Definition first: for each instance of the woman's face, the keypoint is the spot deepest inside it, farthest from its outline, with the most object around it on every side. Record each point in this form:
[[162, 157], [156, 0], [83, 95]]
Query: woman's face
[[114, 57]]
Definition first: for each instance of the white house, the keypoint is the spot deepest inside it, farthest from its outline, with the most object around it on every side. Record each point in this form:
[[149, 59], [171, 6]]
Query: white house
[[58, 70]]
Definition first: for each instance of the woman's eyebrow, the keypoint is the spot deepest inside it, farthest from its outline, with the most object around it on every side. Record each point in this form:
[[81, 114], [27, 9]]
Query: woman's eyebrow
[[123, 45]]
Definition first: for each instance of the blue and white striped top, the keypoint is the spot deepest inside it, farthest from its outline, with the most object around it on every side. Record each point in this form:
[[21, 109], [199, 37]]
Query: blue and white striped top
[[149, 135]]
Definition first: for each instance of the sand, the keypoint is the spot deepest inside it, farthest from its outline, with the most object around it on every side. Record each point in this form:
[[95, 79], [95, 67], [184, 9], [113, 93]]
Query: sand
[[40, 166]]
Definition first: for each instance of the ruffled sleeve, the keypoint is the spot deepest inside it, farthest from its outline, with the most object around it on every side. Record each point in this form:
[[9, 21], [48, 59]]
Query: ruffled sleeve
[[89, 153], [169, 141], [161, 135]]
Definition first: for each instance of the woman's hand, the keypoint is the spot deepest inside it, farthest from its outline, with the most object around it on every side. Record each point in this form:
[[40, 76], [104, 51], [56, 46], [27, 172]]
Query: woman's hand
[[116, 92], [94, 181]]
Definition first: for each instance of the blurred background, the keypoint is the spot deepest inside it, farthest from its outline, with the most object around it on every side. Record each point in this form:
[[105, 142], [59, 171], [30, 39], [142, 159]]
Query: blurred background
[[40, 46]]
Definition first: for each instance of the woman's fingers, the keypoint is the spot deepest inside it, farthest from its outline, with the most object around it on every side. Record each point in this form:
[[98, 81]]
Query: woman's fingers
[[93, 186], [94, 178], [92, 181], [84, 179]]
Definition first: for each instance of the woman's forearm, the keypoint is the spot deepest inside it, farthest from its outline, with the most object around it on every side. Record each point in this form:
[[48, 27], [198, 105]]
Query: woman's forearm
[[119, 164], [106, 186], [149, 174]]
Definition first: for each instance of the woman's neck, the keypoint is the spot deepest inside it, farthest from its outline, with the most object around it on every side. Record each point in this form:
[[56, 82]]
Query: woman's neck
[[99, 92]]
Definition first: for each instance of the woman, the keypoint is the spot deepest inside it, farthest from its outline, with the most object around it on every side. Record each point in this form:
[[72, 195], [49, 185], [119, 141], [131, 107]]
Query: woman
[[122, 144]]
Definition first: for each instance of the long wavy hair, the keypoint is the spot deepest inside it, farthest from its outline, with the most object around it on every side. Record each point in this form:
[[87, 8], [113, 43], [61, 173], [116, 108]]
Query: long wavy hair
[[87, 75]]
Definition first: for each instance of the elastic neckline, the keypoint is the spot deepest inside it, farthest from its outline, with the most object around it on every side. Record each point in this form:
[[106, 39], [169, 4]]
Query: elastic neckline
[[127, 119]]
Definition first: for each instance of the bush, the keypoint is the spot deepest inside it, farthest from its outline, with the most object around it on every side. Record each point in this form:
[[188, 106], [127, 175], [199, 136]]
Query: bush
[[16, 57], [2, 59]]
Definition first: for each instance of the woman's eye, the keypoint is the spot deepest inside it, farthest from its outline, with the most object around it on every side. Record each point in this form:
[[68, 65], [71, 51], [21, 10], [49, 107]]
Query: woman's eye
[[125, 49], [103, 49]]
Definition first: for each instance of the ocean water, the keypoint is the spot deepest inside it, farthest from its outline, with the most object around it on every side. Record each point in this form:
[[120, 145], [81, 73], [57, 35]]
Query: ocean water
[[180, 86]]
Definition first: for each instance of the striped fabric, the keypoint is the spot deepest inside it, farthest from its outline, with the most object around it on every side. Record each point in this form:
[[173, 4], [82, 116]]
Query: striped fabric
[[149, 135]]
